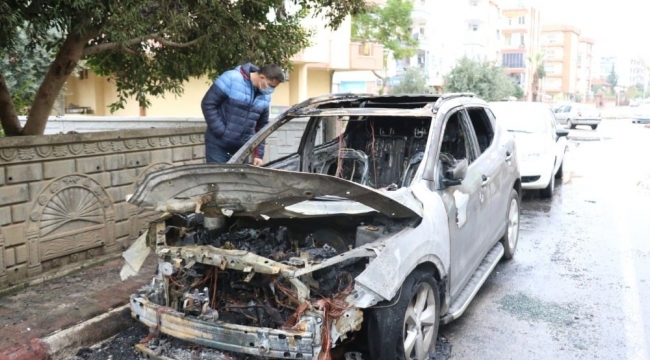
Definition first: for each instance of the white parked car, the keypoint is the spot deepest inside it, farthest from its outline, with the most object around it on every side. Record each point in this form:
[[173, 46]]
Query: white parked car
[[540, 143], [572, 115], [642, 114]]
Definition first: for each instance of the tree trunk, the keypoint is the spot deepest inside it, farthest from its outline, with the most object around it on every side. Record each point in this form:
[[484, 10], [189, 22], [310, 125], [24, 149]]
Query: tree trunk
[[383, 80], [8, 116], [62, 66], [535, 86]]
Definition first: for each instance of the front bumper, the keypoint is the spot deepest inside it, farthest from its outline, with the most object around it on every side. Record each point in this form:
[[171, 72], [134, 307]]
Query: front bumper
[[288, 344], [536, 175]]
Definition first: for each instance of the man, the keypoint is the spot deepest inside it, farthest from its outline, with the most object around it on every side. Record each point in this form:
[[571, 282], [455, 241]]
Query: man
[[235, 107]]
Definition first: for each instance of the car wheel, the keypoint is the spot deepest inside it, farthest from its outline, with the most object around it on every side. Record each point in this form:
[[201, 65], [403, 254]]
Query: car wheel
[[547, 192], [407, 327], [594, 127], [570, 125], [511, 237], [560, 171]]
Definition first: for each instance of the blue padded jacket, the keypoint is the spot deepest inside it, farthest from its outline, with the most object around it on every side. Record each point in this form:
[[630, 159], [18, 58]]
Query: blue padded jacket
[[234, 110]]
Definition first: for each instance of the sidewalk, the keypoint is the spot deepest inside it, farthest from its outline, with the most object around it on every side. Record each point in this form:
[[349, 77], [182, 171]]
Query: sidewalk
[[41, 310]]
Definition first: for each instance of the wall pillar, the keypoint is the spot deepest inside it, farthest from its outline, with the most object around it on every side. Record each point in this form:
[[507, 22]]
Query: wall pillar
[[298, 84]]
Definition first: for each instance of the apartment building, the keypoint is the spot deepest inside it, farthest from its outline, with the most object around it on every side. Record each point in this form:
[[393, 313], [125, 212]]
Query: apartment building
[[521, 29], [560, 44], [483, 35], [311, 76], [367, 82], [630, 70], [584, 67], [421, 31]]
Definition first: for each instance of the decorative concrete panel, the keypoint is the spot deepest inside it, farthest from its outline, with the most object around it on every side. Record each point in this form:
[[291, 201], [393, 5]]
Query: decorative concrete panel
[[62, 197]]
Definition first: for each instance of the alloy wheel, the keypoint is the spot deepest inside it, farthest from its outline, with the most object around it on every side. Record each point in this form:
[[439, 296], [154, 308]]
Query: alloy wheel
[[419, 323]]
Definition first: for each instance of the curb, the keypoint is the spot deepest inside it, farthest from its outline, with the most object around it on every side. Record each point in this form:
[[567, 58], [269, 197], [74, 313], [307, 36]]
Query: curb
[[585, 138], [65, 343]]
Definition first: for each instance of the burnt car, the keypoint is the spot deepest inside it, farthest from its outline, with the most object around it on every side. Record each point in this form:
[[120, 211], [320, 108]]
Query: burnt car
[[375, 234]]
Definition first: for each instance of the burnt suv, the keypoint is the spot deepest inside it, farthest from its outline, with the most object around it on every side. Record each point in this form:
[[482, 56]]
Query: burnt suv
[[382, 225]]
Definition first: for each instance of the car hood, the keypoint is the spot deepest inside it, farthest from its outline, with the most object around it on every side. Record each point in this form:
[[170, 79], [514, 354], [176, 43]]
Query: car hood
[[530, 143], [260, 192]]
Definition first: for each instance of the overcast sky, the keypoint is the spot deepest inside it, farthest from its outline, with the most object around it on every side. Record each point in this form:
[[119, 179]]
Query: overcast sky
[[618, 26]]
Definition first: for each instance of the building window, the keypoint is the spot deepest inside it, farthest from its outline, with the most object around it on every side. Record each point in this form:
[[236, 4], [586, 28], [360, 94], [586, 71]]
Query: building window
[[522, 20], [513, 61], [508, 39], [498, 35], [551, 38], [509, 21], [365, 49], [549, 68], [550, 54], [473, 27], [473, 3]]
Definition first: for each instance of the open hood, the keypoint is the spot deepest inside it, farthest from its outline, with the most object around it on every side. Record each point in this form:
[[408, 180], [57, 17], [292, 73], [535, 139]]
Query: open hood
[[260, 192]]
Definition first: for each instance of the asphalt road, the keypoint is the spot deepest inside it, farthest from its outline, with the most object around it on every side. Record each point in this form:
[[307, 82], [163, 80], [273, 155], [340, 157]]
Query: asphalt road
[[579, 285]]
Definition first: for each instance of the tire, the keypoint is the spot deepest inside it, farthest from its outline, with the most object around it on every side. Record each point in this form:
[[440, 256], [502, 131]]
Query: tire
[[569, 124], [387, 326], [594, 127], [511, 237], [560, 171], [547, 192]]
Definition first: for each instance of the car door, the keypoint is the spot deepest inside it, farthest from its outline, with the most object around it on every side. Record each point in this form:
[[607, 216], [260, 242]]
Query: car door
[[491, 166], [560, 115], [558, 143], [462, 202]]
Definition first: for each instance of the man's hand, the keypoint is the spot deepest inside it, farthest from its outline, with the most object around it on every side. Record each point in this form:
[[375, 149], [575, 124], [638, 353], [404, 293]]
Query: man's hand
[[257, 162]]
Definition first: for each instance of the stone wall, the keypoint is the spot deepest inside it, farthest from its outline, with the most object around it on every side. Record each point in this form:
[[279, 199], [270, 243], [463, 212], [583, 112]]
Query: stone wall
[[62, 197]]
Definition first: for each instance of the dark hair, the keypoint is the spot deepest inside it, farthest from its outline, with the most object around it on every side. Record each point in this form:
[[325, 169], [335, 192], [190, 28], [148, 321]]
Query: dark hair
[[273, 72]]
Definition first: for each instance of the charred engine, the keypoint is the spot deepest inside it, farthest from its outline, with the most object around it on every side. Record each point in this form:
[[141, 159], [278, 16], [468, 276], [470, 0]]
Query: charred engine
[[250, 298]]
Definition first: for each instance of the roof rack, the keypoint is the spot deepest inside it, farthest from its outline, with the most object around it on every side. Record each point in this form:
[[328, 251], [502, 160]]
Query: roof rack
[[448, 96]]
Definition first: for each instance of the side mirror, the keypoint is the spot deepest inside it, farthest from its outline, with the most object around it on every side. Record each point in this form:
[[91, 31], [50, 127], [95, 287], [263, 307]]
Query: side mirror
[[561, 132], [456, 173]]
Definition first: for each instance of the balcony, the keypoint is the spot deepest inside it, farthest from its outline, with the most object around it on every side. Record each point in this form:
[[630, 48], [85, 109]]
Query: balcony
[[423, 42], [366, 56], [420, 13]]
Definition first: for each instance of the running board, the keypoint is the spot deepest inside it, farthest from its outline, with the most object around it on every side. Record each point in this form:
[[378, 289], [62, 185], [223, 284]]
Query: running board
[[474, 284]]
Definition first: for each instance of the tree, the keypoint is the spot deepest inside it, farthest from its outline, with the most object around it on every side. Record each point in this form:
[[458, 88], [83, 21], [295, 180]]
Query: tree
[[539, 73], [412, 82], [612, 78], [390, 26], [24, 69], [151, 47], [488, 82]]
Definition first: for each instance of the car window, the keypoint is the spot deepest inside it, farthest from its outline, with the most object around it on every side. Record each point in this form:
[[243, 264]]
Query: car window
[[515, 118], [284, 141], [482, 127], [456, 141], [567, 109]]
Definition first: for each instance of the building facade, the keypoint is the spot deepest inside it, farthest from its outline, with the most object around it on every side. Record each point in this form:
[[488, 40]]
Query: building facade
[[311, 76], [631, 71], [483, 35], [560, 44], [585, 71], [521, 44]]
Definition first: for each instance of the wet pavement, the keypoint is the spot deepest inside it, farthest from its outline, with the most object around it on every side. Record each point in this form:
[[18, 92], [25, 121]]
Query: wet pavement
[[579, 285]]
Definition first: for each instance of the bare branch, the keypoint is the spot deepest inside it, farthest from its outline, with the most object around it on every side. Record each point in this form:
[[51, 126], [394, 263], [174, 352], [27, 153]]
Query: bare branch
[[124, 46], [164, 42], [115, 45]]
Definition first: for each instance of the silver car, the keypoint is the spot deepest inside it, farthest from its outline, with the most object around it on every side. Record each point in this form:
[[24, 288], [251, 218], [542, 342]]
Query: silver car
[[378, 234], [572, 115]]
